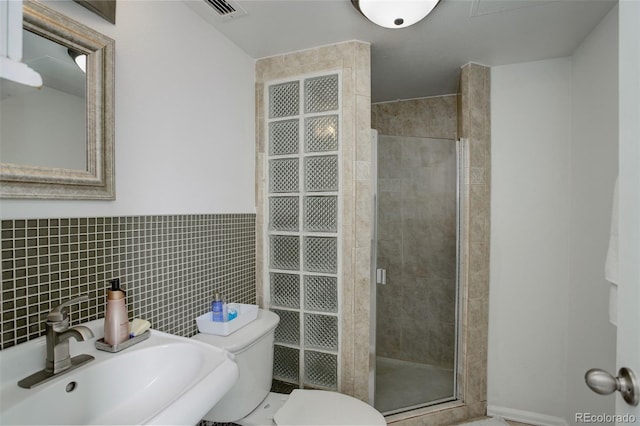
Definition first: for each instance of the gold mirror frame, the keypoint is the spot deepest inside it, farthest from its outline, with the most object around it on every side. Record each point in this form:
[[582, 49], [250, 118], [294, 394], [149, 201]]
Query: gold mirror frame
[[98, 181]]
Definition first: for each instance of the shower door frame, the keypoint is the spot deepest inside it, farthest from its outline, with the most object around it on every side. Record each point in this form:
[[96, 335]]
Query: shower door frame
[[374, 266], [462, 167]]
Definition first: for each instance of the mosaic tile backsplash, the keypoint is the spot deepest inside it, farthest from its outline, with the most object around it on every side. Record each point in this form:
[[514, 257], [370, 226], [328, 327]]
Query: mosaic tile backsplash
[[169, 266]]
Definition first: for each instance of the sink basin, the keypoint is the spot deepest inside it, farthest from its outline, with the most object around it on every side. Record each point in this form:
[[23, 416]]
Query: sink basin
[[165, 379]]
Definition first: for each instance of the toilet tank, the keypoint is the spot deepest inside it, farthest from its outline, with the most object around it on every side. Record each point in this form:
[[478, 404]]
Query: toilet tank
[[252, 350]]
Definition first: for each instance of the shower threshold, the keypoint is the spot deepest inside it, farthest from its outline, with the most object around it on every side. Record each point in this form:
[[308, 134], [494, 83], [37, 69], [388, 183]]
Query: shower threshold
[[404, 386]]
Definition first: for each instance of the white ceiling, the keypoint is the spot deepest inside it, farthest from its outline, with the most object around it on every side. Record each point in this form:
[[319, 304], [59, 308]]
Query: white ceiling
[[52, 61], [424, 59]]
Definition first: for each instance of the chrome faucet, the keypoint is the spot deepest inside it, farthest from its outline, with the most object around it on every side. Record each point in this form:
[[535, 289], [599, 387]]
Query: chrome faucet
[[58, 360]]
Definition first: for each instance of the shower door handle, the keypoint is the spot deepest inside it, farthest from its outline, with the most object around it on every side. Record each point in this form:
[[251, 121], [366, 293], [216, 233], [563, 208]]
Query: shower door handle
[[381, 276]]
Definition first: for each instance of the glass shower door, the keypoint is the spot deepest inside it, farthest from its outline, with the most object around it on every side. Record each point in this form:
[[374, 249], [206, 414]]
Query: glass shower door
[[416, 280]]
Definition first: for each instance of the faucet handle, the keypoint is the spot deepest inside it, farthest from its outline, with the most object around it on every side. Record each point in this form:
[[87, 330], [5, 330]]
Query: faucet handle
[[59, 313]]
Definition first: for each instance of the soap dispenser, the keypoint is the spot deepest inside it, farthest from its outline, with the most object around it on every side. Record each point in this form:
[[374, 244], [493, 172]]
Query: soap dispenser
[[116, 321], [217, 308]]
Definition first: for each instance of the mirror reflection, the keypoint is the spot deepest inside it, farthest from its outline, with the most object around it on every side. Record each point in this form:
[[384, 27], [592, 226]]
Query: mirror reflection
[[47, 126], [57, 142]]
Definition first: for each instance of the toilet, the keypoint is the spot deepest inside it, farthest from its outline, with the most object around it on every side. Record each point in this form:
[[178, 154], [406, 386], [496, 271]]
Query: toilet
[[250, 402]]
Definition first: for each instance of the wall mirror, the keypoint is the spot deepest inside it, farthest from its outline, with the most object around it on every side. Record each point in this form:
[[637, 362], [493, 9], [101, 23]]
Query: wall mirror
[[57, 141]]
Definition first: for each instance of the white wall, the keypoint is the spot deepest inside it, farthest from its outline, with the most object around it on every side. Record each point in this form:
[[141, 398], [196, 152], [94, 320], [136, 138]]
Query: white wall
[[554, 150], [184, 114], [530, 150], [594, 167]]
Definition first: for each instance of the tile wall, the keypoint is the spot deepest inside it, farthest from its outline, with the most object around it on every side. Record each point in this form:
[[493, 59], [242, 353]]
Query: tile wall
[[475, 126], [169, 266], [416, 309], [432, 117]]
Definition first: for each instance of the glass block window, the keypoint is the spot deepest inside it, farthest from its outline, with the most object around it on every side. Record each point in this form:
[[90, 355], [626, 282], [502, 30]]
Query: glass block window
[[320, 293], [321, 332], [288, 330], [303, 146], [283, 213], [285, 290], [321, 133], [283, 175], [321, 94], [321, 173], [284, 99], [284, 137], [285, 252], [321, 254], [286, 363], [321, 369], [321, 214]]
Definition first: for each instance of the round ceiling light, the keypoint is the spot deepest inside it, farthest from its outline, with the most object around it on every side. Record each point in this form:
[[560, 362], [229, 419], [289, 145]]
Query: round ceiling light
[[79, 58], [395, 13]]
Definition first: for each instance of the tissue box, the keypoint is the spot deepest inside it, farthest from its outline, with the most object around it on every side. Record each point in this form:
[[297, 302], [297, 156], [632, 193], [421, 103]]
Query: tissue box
[[246, 314]]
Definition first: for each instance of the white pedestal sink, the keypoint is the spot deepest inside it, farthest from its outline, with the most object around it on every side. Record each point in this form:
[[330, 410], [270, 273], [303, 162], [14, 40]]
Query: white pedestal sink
[[165, 379]]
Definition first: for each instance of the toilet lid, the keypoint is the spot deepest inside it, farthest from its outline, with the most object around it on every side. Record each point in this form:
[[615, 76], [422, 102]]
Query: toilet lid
[[314, 407]]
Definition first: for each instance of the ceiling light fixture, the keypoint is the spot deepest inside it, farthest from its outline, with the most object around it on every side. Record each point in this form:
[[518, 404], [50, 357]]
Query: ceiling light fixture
[[79, 58], [395, 13]]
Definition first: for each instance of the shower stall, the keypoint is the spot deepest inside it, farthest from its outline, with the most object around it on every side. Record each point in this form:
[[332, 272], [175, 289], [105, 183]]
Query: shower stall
[[416, 185], [314, 248]]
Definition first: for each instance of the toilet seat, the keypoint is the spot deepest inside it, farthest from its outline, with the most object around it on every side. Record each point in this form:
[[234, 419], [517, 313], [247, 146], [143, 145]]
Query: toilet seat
[[316, 407]]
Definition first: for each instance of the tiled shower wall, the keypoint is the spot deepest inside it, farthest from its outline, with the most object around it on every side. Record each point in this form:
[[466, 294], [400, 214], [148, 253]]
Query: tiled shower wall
[[415, 318], [474, 123], [416, 245], [169, 266], [433, 117]]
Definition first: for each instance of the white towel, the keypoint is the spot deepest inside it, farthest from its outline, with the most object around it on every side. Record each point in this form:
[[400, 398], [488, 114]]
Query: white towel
[[611, 263]]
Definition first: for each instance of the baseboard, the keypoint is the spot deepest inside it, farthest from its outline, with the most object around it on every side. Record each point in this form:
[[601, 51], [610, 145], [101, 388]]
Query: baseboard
[[525, 416]]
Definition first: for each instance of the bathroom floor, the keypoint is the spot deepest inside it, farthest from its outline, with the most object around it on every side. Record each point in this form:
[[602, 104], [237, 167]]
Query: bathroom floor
[[401, 384]]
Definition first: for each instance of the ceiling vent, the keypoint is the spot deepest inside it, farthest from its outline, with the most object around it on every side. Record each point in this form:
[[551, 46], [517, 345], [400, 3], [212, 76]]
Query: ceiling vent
[[226, 9]]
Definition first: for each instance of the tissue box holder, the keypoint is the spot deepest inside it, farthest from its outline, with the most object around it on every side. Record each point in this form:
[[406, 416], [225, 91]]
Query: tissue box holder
[[246, 314]]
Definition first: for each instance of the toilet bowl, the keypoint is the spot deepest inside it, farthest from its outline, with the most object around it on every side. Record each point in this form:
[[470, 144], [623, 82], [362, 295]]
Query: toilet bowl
[[250, 402]]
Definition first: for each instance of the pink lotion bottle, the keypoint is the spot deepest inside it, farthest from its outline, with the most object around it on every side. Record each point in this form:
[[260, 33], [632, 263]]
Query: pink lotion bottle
[[116, 320]]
